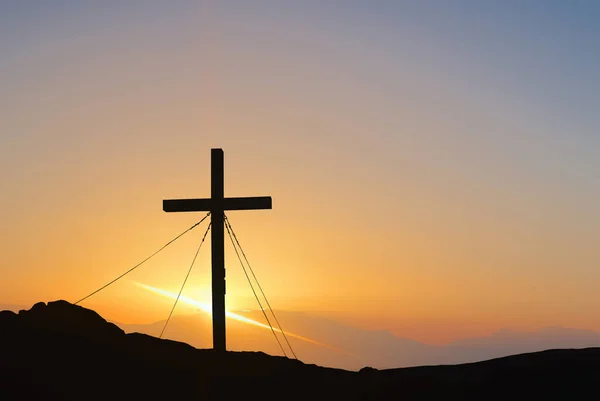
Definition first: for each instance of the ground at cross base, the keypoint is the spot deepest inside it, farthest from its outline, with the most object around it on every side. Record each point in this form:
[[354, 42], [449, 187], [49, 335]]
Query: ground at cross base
[[59, 351]]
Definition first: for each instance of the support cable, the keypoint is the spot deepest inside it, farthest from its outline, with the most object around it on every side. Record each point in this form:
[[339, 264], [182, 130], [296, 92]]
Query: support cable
[[184, 281], [252, 287], [143, 261], [227, 223]]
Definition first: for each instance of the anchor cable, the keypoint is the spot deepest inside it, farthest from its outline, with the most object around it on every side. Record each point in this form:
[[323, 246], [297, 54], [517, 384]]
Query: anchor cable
[[184, 281], [227, 226], [259, 286], [143, 261]]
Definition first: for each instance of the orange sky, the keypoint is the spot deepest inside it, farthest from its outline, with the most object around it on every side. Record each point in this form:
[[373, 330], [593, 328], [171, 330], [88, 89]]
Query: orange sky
[[419, 185]]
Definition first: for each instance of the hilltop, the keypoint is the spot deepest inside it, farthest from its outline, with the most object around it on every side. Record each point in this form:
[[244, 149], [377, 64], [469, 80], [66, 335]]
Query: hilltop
[[63, 351]]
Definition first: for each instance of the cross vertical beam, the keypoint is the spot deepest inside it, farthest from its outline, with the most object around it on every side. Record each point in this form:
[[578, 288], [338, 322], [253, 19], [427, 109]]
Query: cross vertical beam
[[218, 249]]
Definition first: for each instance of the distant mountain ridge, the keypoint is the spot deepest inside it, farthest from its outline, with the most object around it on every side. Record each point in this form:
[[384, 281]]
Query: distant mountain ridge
[[379, 349], [62, 351], [12, 307]]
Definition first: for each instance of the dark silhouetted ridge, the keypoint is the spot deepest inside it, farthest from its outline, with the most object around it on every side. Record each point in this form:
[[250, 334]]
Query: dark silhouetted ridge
[[67, 352]]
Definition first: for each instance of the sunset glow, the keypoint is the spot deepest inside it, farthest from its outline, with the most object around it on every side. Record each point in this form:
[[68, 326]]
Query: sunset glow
[[433, 165], [208, 309]]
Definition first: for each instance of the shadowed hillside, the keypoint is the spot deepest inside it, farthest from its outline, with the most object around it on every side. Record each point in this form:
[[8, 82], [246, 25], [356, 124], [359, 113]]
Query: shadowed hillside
[[62, 351]]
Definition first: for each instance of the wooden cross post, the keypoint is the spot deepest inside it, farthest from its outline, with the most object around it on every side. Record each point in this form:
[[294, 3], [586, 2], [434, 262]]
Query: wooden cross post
[[217, 204]]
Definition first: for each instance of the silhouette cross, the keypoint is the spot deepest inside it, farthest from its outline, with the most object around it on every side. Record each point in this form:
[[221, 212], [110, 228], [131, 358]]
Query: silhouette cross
[[217, 204]]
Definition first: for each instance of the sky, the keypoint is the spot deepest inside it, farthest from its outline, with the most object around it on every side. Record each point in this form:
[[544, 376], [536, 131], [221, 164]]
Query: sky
[[433, 165]]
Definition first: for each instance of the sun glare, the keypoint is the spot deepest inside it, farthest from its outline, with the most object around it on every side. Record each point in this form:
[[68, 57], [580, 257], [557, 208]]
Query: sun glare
[[207, 308]]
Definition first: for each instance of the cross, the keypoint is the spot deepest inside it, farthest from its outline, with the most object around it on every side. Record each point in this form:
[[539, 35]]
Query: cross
[[217, 204]]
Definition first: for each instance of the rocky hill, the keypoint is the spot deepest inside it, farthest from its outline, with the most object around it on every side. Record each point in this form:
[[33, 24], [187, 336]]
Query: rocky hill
[[62, 351]]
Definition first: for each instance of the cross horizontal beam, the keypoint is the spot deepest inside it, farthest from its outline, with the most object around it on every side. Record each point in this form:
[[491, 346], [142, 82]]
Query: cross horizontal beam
[[206, 205]]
